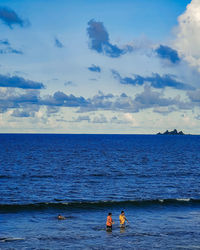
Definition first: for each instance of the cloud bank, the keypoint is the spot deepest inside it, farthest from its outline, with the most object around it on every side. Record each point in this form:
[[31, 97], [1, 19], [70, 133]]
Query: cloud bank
[[28, 103], [156, 81]]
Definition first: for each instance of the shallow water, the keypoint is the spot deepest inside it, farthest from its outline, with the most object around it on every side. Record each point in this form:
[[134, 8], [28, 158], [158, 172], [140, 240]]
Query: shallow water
[[154, 226], [155, 179]]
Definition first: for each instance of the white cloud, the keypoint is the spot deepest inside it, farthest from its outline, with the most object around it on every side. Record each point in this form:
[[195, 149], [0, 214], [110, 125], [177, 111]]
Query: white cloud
[[129, 118], [188, 39]]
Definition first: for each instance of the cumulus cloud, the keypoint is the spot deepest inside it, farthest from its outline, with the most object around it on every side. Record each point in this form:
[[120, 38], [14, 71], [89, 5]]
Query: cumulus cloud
[[100, 101], [61, 99], [19, 82], [100, 41], [58, 43], [187, 34], [9, 17], [145, 100], [149, 98], [29, 102], [168, 53], [156, 81], [11, 99], [94, 68]]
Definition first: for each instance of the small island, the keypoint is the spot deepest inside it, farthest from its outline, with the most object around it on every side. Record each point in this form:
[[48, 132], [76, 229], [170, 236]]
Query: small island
[[174, 132]]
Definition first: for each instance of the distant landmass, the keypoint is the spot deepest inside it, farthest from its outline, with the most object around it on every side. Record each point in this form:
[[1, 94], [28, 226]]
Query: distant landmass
[[174, 132]]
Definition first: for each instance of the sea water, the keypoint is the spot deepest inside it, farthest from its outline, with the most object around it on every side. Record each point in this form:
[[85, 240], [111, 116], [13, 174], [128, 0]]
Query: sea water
[[155, 179]]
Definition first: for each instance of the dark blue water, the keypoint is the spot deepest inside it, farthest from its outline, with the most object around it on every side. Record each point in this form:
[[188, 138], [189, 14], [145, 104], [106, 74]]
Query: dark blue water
[[155, 179]]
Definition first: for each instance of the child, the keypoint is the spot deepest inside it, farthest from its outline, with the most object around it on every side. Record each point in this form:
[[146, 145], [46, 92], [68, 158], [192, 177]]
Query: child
[[109, 222], [122, 219], [60, 217]]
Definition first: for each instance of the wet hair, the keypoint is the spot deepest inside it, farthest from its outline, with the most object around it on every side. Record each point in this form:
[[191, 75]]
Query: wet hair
[[109, 213], [122, 212]]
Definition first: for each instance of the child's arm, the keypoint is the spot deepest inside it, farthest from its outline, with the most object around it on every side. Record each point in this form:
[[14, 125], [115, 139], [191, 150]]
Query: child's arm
[[126, 220]]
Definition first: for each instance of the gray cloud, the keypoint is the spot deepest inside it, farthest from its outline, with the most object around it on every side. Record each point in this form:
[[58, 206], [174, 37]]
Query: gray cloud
[[61, 99], [58, 43], [168, 53], [10, 50], [19, 82], [147, 99], [51, 110], [5, 48], [96, 119], [150, 98], [94, 68], [99, 101], [22, 113], [194, 96], [100, 41], [156, 81], [29, 102], [4, 42], [9, 17], [11, 99], [100, 119]]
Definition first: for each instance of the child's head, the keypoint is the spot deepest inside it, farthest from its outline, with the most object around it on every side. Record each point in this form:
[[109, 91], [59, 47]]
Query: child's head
[[110, 214], [122, 212]]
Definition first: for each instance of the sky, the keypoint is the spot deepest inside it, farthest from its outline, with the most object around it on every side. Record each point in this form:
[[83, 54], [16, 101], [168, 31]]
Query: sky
[[103, 66]]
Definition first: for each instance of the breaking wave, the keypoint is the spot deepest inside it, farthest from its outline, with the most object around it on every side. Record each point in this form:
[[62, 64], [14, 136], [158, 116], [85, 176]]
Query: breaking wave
[[98, 204]]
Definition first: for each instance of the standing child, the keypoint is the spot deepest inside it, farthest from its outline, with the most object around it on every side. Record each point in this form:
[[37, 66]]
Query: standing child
[[122, 219], [109, 222]]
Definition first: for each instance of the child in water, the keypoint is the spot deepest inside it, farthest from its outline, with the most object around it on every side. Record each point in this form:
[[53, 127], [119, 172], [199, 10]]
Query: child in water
[[109, 222], [122, 219], [60, 217]]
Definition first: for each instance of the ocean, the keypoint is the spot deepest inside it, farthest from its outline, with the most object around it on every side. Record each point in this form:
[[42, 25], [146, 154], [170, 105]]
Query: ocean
[[155, 179]]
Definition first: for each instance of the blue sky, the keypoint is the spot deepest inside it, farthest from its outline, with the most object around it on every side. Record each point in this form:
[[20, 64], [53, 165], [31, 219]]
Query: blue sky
[[117, 66]]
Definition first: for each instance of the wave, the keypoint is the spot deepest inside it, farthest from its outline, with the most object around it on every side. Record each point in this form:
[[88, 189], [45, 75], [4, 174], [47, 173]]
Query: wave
[[25, 176], [7, 239], [98, 204]]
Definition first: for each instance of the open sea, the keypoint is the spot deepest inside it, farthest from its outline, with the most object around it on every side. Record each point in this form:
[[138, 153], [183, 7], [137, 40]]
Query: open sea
[[155, 179]]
